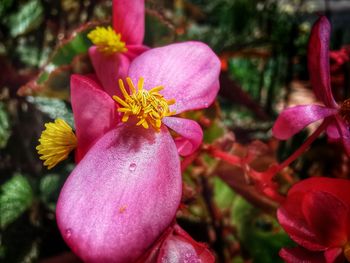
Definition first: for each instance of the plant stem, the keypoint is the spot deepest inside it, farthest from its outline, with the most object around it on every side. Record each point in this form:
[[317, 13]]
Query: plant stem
[[275, 169]]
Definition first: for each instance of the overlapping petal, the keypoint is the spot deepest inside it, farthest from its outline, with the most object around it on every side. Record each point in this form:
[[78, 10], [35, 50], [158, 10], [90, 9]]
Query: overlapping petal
[[176, 246], [321, 205], [129, 20], [109, 68], [294, 119], [337, 187], [332, 130], [327, 216], [121, 196], [318, 61], [292, 220], [135, 50], [334, 255], [188, 72], [191, 134], [202, 252], [94, 112], [299, 254]]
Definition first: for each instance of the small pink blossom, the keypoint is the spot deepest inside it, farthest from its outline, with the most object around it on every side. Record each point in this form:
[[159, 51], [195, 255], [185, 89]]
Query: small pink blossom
[[129, 22], [336, 116]]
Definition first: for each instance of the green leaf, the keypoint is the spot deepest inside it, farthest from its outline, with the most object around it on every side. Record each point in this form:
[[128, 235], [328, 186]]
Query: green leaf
[[4, 6], [28, 18], [259, 233], [54, 108], [223, 194], [214, 132], [5, 130], [50, 186], [15, 198], [77, 45], [69, 57]]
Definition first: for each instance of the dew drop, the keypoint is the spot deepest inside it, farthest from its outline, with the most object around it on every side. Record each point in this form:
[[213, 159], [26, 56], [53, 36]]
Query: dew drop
[[132, 167], [206, 105], [68, 233]]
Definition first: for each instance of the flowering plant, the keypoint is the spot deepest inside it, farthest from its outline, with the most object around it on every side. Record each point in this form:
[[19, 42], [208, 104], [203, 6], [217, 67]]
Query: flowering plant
[[167, 167], [133, 170]]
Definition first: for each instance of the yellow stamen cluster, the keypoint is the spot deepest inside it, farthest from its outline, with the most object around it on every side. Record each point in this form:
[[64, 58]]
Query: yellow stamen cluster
[[148, 106], [56, 142], [107, 40]]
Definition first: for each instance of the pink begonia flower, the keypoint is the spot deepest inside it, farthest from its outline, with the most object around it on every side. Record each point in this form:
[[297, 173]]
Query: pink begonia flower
[[125, 191], [116, 47], [337, 117], [176, 246], [316, 215]]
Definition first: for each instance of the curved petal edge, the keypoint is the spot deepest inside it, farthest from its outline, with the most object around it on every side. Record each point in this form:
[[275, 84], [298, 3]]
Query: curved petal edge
[[121, 196], [191, 134]]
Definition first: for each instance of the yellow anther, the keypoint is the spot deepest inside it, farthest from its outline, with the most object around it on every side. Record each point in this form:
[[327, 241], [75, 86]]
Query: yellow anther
[[148, 106], [107, 40], [56, 142]]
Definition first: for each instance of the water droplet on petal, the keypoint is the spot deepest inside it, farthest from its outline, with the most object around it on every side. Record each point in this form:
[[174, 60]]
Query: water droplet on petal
[[132, 167], [68, 233]]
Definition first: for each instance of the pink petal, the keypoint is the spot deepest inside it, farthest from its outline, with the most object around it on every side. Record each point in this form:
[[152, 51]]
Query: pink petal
[[332, 131], [294, 119], [129, 20], [202, 250], [178, 251], [109, 68], [135, 50], [301, 255], [188, 71], [94, 113], [121, 196], [327, 216], [176, 246], [191, 134], [318, 61]]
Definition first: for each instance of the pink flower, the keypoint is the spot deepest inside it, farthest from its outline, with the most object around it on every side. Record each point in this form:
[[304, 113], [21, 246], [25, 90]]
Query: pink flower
[[176, 246], [116, 47], [337, 117], [316, 215], [126, 189]]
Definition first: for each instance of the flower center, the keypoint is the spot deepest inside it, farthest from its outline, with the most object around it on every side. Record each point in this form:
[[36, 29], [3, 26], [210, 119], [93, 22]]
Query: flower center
[[347, 251], [344, 111], [107, 40], [148, 106], [56, 142]]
